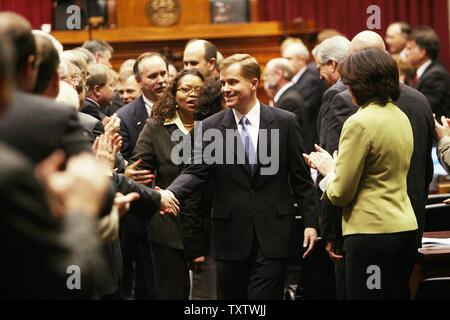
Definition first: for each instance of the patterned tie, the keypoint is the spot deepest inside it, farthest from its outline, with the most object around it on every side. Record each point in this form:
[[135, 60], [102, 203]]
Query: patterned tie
[[248, 143]]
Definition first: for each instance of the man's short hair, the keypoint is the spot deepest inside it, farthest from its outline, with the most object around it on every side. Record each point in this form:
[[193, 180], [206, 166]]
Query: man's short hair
[[137, 65], [327, 34], [125, 74], [87, 55], [6, 70], [97, 46], [250, 68], [405, 29], [332, 49], [299, 50], [427, 39], [68, 95], [283, 65], [48, 63], [97, 76], [76, 58], [19, 31]]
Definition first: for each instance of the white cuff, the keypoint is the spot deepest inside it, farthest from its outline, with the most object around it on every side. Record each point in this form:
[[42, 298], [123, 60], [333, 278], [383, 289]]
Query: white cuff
[[324, 182]]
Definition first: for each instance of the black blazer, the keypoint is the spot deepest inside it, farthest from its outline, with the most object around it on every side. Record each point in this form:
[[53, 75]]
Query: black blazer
[[311, 89], [416, 107], [133, 117], [435, 85], [246, 204], [292, 101], [323, 118], [91, 107], [91, 125], [154, 147], [38, 126]]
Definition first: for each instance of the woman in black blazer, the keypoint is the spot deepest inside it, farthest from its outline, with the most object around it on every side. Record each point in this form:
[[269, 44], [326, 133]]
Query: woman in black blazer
[[173, 112]]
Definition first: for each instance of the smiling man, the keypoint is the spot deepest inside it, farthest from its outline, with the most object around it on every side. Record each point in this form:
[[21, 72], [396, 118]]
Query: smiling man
[[151, 74], [253, 214]]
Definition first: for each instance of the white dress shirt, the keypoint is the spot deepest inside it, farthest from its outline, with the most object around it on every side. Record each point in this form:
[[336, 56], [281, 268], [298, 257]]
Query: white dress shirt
[[148, 105], [298, 75], [253, 117], [281, 91], [422, 69]]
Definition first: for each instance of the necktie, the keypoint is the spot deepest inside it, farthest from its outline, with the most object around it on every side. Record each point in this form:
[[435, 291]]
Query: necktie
[[247, 142], [414, 81]]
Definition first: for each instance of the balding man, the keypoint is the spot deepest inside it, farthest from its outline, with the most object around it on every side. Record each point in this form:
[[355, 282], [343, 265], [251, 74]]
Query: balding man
[[308, 84], [277, 78], [396, 36], [415, 105], [201, 55]]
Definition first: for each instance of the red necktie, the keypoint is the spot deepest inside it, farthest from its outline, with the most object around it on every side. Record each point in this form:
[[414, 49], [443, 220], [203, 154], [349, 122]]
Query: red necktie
[[414, 81]]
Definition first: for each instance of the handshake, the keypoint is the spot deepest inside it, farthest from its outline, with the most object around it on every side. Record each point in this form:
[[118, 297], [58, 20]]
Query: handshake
[[169, 204]]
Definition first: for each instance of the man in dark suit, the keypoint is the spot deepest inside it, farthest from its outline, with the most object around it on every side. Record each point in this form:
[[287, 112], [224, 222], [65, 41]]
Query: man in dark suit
[[416, 107], [151, 73], [309, 85], [277, 79], [253, 205], [328, 55], [99, 91], [431, 78]]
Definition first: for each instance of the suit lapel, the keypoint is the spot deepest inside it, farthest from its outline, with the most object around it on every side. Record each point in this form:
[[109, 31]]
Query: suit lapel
[[140, 113], [265, 126]]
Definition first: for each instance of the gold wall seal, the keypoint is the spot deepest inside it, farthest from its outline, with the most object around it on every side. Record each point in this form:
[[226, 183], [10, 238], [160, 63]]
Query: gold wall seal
[[163, 13]]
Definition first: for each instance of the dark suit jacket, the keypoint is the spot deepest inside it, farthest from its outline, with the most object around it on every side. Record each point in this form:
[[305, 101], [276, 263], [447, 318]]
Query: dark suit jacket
[[36, 248], [323, 118], [116, 104], [416, 107], [133, 117], [435, 85], [311, 89], [246, 204], [91, 125], [38, 126], [292, 101], [91, 107]]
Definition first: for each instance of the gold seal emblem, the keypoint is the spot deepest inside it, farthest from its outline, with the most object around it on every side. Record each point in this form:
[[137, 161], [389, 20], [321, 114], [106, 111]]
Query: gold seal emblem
[[163, 13]]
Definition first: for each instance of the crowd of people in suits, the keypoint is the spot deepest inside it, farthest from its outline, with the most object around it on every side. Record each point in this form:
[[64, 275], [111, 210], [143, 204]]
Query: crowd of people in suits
[[89, 179]]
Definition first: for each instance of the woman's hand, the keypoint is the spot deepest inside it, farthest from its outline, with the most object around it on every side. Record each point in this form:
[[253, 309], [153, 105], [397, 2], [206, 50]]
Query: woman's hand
[[141, 176], [321, 160]]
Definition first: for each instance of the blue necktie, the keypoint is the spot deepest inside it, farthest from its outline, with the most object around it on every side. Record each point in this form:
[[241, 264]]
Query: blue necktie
[[248, 143]]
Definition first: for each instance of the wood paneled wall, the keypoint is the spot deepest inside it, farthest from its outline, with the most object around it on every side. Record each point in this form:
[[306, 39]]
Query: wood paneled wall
[[135, 34]]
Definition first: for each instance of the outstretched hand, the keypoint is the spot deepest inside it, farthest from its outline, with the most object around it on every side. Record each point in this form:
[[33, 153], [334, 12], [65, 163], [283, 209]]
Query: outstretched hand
[[169, 204], [141, 176]]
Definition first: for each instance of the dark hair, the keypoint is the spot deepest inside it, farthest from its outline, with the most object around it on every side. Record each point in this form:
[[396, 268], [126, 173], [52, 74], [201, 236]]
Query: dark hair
[[48, 63], [209, 99], [97, 46], [404, 28], [372, 75], [19, 31], [137, 64], [427, 39], [165, 107]]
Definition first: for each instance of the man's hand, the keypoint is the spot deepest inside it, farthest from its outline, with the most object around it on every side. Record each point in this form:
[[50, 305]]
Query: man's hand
[[141, 176], [310, 239], [169, 204], [112, 125], [332, 247], [197, 264], [105, 148], [122, 202], [80, 188], [443, 129]]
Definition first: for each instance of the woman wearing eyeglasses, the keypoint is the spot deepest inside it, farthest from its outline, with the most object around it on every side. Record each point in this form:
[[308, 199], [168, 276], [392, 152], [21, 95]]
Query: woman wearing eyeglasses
[[174, 111]]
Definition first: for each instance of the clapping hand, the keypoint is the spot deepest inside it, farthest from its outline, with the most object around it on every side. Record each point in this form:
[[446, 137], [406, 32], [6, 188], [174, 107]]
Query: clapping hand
[[169, 204], [321, 160], [443, 129]]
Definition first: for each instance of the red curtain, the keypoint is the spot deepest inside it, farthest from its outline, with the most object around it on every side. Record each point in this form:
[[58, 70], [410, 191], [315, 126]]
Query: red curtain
[[37, 12], [349, 16]]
